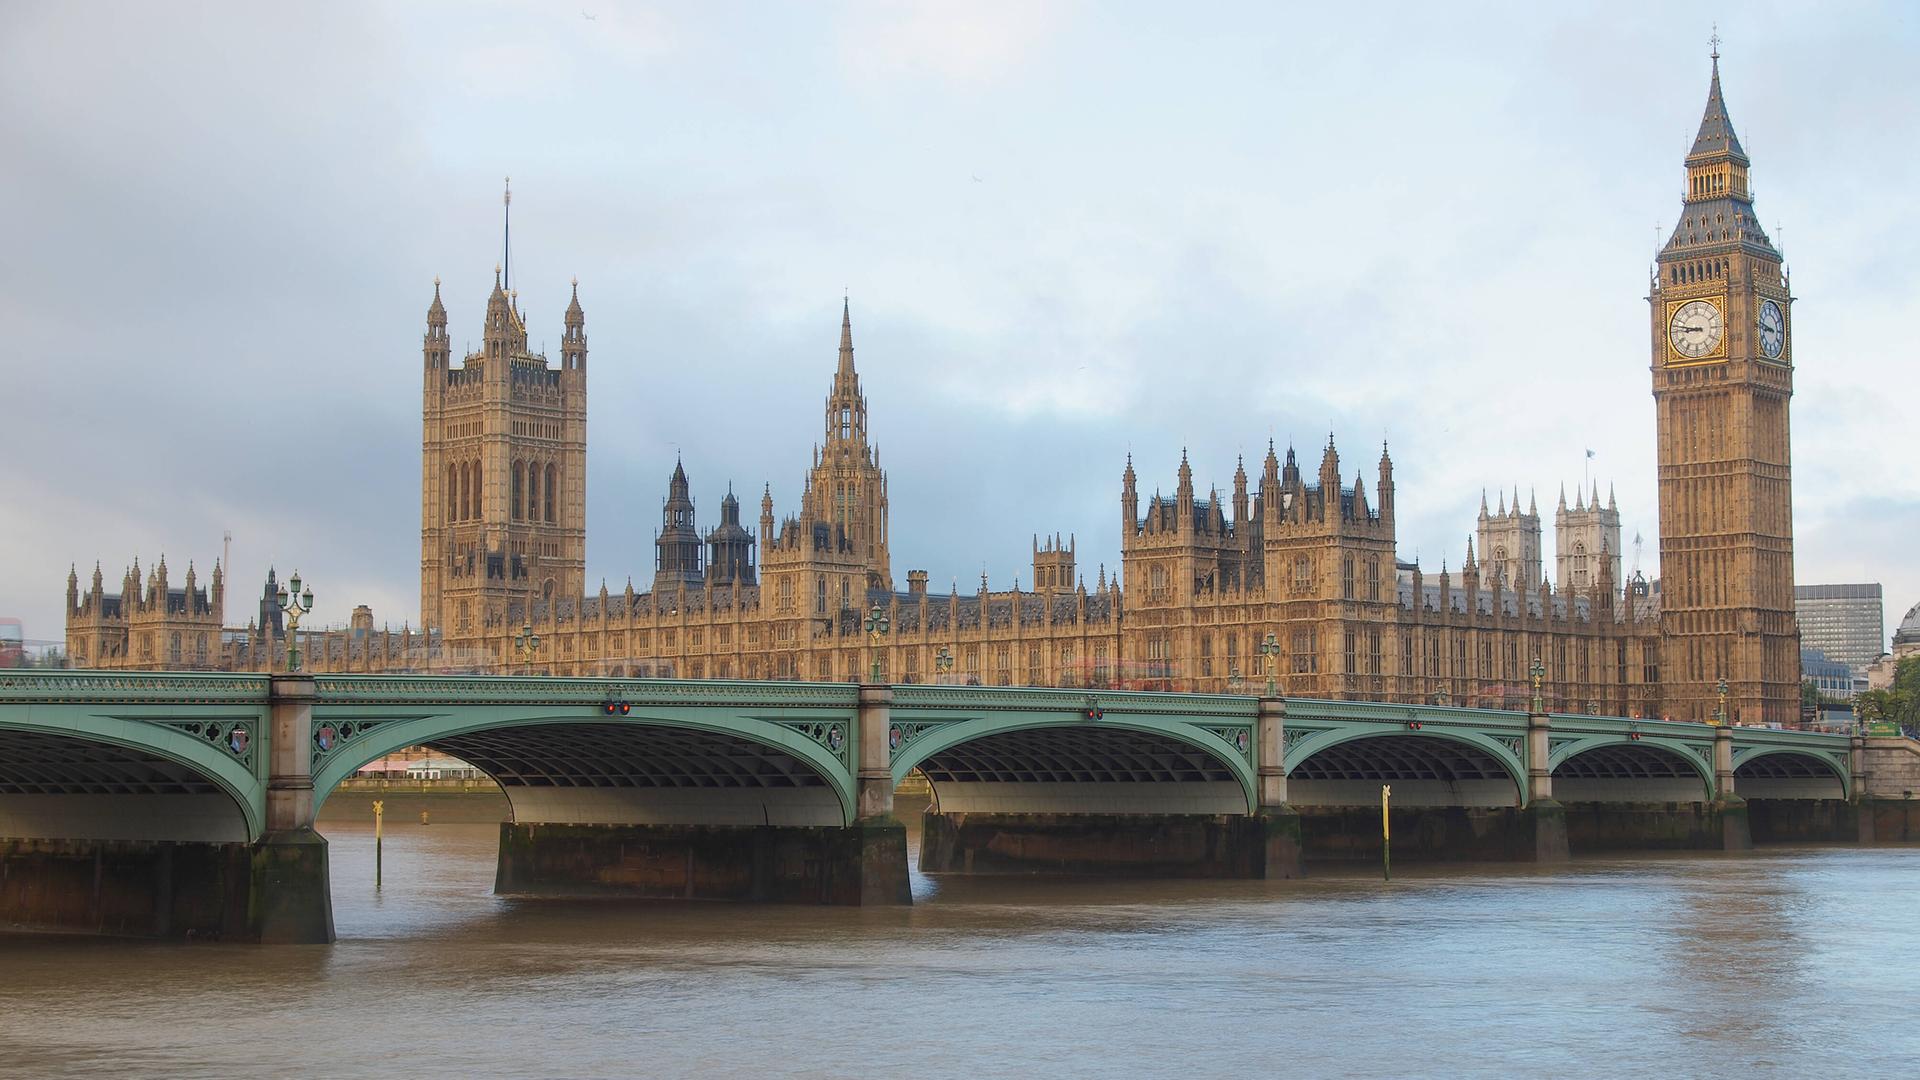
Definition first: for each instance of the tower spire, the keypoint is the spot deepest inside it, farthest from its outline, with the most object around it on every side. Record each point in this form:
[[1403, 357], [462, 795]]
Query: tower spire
[[846, 336], [1716, 137]]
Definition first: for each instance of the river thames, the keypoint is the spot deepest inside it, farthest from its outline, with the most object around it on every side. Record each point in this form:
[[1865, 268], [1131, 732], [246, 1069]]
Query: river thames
[[1782, 962]]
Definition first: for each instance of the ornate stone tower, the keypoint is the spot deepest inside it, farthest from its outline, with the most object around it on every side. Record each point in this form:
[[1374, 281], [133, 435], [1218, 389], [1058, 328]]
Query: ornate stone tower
[[846, 488], [1584, 536], [503, 513], [1722, 376], [730, 546], [1510, 542], [677, 560]]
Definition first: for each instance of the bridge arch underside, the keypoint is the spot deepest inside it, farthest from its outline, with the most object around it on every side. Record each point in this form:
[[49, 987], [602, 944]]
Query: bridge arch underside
[[1631, 772], [1081, 769], [61, 787], [1787, 775], [633, 774], [1421, 769]]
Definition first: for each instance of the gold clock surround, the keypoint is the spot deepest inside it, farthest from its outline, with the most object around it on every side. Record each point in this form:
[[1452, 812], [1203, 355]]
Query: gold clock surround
[[1676, 358]]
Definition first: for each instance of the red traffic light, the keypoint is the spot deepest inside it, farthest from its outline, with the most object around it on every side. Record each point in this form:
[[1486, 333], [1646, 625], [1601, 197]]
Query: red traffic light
[[1414, 725], [618, 708]]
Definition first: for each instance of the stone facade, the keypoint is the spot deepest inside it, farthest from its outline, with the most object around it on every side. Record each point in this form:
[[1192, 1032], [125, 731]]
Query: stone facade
[[1292, 576]]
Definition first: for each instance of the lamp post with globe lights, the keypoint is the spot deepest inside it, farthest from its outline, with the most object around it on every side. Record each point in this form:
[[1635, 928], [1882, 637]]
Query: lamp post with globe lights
[[295, 601]]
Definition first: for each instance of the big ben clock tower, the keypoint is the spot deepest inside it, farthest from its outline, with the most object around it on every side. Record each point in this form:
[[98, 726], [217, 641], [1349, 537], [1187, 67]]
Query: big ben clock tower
[[1722, 375]]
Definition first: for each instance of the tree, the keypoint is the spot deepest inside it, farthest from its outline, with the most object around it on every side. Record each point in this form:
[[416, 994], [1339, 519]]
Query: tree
[[1889, 707], [1906, 696], [1810, 695]]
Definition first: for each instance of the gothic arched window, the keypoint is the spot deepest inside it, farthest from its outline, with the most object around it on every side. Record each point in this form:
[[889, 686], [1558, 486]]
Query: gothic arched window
[[551, 472], [519, 486]]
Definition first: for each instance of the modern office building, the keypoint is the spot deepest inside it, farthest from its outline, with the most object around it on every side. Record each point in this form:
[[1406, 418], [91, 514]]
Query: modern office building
[[1843, 621]]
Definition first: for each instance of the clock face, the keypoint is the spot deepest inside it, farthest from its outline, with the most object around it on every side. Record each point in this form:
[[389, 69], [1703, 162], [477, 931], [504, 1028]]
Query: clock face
[[1696, 329], [1773, 329]]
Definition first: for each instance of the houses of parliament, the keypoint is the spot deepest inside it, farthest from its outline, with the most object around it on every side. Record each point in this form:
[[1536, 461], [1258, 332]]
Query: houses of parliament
[[1293, 575]]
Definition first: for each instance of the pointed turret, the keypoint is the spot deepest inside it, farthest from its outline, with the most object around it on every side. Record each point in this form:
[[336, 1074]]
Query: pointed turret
[[573, 344], [1239, 491], [73, 589], [1129, 501], [1383, 491], [846, 407]]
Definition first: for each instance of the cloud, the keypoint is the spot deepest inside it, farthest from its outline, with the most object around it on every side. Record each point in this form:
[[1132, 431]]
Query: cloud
[[1192, 230], [966, 45]]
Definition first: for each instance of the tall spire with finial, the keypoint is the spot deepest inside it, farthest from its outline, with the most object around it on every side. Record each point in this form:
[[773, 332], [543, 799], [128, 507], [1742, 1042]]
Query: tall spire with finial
[[846, 336]]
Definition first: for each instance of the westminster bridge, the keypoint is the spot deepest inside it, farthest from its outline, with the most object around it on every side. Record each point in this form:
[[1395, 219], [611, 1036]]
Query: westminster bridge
[[173, 804]]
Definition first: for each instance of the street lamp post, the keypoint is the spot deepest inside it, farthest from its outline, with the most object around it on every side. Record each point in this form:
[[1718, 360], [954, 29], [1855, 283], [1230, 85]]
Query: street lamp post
[[1539, 672], [1720, 710], [1270, 655], [942, 663], [529, 643], [877, 626], [295, 601]]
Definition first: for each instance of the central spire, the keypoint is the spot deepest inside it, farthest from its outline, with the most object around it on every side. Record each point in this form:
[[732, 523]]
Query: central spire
[[846, 336]]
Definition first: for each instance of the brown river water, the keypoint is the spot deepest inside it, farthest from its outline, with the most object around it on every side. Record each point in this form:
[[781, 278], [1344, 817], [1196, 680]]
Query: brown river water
[[1799, 962]]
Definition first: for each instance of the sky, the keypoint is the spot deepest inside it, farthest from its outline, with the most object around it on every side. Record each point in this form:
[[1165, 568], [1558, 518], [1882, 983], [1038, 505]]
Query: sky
[[1068, 232]]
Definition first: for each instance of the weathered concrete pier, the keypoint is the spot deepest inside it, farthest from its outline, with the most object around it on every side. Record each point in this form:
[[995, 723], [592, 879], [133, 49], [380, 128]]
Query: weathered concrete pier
[[176, 805]]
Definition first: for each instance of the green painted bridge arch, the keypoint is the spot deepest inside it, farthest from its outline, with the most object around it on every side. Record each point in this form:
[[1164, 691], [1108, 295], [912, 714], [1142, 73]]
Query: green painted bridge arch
[[1024, 751], [1340, 752], [108, 756], [666, 752]]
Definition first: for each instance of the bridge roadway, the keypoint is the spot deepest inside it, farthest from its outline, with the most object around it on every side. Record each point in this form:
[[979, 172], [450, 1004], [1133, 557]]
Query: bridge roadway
[[174, 804]]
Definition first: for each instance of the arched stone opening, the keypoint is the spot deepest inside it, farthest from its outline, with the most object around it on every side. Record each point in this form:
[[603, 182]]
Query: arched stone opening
[[1423, 770], [1632, 772], [1081, 769], [644, 774], [1787, 775], [65, 788]]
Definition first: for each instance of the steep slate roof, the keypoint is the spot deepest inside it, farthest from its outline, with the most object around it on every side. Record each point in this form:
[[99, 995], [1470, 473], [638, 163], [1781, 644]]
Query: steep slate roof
[[1716, 127]]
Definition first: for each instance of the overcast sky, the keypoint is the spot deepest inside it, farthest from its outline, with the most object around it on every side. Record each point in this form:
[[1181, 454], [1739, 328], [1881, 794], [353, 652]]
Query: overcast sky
[[1068, 231]]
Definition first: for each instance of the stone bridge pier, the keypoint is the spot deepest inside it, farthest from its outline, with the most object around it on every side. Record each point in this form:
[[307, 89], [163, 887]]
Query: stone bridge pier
[[179, 812], [290, 899]]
